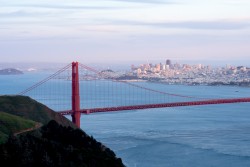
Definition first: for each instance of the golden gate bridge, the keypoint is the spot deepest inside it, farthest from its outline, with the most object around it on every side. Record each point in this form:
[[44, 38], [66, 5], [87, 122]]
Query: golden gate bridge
[[79, 91]]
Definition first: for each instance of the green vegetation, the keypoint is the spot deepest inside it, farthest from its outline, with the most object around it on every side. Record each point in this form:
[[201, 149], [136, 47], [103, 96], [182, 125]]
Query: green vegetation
[[11, 124], [3, 137], [57, 143], [28, 108]]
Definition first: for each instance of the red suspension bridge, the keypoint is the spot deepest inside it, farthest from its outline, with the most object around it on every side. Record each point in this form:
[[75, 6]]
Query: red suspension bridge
[[77, 89]]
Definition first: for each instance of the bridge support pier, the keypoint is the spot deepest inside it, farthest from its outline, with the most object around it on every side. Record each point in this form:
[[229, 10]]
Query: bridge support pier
[[76, 115]]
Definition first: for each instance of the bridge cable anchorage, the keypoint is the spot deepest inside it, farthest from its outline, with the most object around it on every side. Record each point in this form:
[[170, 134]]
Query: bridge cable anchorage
[[45, 80], [105, 76]]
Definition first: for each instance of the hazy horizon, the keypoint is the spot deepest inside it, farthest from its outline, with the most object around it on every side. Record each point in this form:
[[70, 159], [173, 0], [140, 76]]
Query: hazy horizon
[[114, 66]]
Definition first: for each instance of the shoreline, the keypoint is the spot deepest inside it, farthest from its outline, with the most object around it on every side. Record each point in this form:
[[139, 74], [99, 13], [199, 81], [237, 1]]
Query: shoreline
[[236, 84]]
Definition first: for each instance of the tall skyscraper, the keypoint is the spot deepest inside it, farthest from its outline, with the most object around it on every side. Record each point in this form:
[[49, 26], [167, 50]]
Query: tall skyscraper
[[168, 62]]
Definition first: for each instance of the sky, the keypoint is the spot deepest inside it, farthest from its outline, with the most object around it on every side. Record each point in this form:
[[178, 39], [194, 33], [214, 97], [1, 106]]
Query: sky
[[121, 31]]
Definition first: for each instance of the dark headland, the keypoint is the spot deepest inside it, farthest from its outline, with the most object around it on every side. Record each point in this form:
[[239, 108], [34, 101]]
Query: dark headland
[[31, 134]]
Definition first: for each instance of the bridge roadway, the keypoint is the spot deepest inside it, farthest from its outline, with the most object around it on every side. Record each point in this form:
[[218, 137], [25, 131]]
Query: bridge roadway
[[162, 105]]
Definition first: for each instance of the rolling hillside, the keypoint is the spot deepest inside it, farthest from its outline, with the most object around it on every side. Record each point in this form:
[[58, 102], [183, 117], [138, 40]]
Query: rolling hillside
[[10, 124], [57, 143], [28, 108]]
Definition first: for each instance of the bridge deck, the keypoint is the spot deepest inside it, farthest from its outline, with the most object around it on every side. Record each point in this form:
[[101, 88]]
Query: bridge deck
[[163, 105]]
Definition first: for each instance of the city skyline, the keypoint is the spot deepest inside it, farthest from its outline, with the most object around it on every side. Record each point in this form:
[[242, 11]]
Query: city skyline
[[125, 30]]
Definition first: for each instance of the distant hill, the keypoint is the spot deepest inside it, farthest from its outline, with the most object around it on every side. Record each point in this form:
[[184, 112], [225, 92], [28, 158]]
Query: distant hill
[[57, 143], [10, 71]]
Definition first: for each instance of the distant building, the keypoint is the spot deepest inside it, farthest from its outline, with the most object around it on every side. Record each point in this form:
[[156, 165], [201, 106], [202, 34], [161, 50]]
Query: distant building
[[139, 71], [168, 62], [164, 67], [158, 67], [133, 67], [199, 66]]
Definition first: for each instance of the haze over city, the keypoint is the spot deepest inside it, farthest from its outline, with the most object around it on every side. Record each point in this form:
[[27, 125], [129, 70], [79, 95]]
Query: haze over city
[[120, 31]]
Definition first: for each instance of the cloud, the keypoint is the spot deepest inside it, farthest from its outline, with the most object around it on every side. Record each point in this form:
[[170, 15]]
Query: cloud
[[147, 1], [207, 25], [20, 13], [199, 25], [67, 7]]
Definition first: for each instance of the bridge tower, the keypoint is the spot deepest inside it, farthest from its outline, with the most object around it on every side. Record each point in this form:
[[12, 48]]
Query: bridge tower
[[76, 114]]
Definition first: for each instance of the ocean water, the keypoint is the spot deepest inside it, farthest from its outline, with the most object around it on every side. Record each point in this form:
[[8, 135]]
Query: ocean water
[[195, 136]]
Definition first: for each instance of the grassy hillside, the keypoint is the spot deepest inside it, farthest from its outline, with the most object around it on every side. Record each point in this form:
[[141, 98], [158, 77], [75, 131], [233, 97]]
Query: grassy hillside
[[22, 112], [28, 108], [57, 143], [10, 124]]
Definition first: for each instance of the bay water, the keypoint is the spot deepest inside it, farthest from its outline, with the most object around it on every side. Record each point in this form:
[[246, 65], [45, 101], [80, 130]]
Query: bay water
[[195, 136]]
